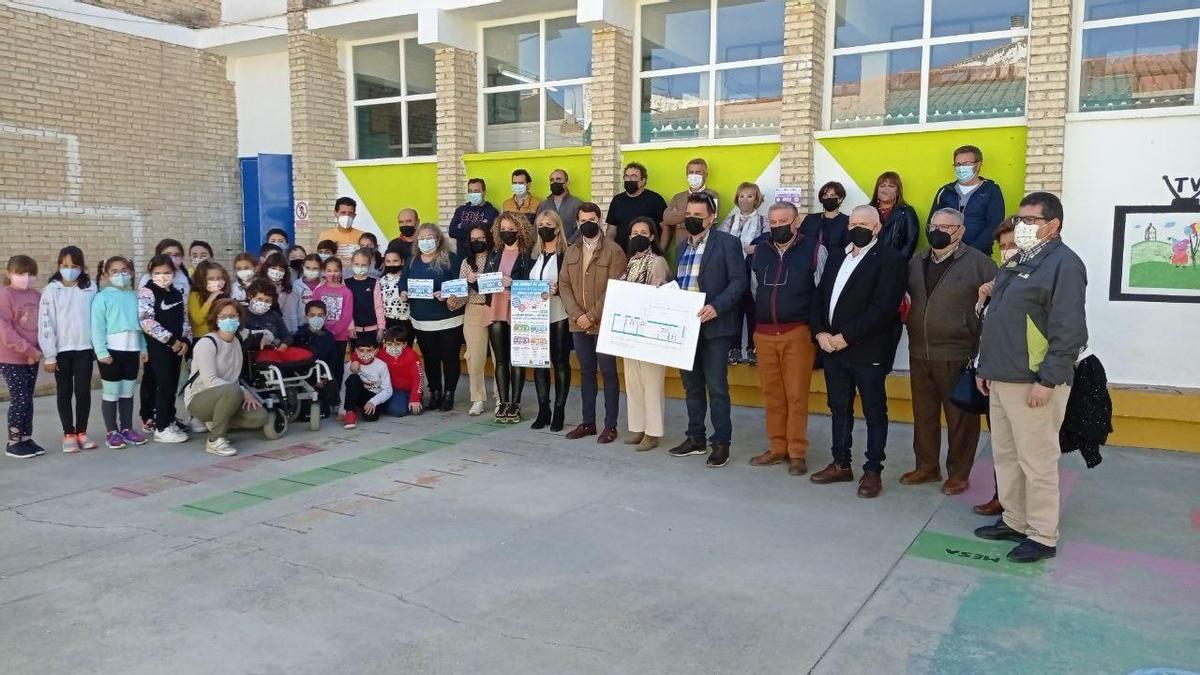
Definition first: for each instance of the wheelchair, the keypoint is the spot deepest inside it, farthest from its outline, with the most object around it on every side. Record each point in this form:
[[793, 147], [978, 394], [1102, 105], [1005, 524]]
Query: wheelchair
[[285, 392]]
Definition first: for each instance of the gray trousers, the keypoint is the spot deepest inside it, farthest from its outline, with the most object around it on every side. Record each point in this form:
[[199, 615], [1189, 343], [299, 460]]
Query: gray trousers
[[220, 408]]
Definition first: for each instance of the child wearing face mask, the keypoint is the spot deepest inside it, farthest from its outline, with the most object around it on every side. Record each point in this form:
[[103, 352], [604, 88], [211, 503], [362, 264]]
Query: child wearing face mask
[[369, 243], [244, 269], [163, 317], [362, 286], [314, 337], [326, 249], [389, 303], [120, 348], [368, 385], [289, 297], [405, 370], [174, 251], [339, 312], [19, 352], [210, 282], [269, 337], [311, 275], [64, 336], [199, 251]]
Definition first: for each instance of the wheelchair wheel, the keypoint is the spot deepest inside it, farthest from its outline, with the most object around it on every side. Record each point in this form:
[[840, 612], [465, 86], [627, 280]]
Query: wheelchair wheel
[[276, 425], [292, 405], [314, 416]]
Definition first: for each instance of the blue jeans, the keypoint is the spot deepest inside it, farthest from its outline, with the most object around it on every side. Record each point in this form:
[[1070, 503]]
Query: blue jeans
[[397, 405], [589, 362], [842, 379], [706, 385]]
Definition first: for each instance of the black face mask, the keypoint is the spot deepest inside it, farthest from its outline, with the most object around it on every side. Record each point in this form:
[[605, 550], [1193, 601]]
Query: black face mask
[[408, 230], [589, 228], [861, 236], [297, 265], [508, 238], [557, 189], [693, 225], [478, 246], [939, 239], [831, 203], [547, 233], [393, 269], [631, 186], [638, 243], [782, 235]]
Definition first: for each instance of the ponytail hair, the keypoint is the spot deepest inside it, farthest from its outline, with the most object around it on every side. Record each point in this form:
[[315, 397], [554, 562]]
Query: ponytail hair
[[76, 256], [102, 271]]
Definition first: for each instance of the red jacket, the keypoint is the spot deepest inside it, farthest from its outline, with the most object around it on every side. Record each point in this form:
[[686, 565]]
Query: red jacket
[[406, 372]]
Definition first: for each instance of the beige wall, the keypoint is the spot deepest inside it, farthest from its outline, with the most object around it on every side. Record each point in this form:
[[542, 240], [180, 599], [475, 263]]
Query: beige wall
[[196, 13]]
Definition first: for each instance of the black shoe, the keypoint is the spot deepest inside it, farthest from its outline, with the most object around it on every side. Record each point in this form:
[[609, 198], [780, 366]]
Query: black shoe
[[999, 531], [502, 412], [735, 356], [36, 448], [447, 403], [687, 447], [435, 399], [543, 417], [1029, 551], [556, 420], [514, 413], [21, 450], [719, 456]]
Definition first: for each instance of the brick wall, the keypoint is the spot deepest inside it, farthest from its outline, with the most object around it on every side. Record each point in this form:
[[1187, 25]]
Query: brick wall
[[195, 13], [1049, 73], [457, 117], [612, 74], [803, 81]]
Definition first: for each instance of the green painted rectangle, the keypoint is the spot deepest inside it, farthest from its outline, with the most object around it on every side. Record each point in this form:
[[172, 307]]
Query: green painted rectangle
[[318, 476], [274, 489], [193, 512], [229, 501], [423, 445], [391, 455], [452, 437], [981, 554], [356, 465]]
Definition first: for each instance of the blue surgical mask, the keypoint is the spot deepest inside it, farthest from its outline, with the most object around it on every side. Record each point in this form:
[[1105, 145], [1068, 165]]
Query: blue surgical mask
[[316, 322], [519, 189], [229, 324], [69, 273], [964, 173], [119, 279], [426, 245], [474, 198]]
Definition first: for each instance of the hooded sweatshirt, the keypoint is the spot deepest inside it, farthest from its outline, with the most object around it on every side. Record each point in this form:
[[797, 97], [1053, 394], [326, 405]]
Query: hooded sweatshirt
[[18, 324], [65, 319]]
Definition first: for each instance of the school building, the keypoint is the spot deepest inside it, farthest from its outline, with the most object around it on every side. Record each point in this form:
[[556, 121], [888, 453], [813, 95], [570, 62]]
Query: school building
[[124, 121]]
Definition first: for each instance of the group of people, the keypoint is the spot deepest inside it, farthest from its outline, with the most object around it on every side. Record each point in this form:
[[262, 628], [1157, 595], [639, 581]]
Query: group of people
[[787, 291]]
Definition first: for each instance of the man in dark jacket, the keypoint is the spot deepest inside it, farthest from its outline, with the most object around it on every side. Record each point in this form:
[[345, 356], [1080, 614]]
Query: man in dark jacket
[[711, 262], [1034, 331], [477, 212], [787, 266], [943, 335], [855, 319], [979, 198]]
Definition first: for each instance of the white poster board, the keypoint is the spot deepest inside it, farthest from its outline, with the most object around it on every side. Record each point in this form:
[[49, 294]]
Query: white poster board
[[657, 325]]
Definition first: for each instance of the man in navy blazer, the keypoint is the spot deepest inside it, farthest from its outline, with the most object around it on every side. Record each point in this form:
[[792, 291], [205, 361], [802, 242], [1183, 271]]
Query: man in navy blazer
[[711, 262], [854, 319]]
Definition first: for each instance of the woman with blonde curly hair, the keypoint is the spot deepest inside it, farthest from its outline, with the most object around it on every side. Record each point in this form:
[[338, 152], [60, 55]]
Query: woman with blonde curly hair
[[439, 327], [514, 240], [547, 264]]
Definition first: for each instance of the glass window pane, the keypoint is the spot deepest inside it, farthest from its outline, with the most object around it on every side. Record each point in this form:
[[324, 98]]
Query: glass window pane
[[511, 54], [513, 121], [749, 29], [1109, 9], [422, 128], [876, 89], [418, 66], [955, 17], [977, 80], [568, 116], [379, 131], [376, 70], [674, 107], [749, 101], [869, 22], [568, 49], [1151, 65], [675, 34]]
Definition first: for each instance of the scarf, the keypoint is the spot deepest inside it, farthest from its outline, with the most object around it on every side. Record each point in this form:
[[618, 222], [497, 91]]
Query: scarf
[[637, 270]]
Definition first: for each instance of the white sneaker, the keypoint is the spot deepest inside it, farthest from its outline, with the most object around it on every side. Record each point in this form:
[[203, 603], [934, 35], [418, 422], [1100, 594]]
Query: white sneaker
[[197, 426], [220, 447], [476, 408], [170, 435]]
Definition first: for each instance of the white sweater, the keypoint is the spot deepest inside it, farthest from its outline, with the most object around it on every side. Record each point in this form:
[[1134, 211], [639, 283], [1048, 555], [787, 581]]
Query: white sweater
[[65, 319], [375, 378], [214, 362]]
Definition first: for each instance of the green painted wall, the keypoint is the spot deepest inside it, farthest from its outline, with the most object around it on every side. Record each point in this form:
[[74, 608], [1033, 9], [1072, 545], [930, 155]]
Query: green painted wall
[[496, 168], [728, 166], [386, 188]]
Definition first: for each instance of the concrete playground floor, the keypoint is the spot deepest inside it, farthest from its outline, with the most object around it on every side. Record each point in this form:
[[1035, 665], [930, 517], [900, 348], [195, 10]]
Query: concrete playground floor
[[445, 544]]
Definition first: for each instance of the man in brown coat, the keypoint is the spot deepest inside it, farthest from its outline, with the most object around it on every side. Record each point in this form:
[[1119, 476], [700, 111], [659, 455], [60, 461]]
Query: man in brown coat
[[587, 267], [673, 230], [943, 333]]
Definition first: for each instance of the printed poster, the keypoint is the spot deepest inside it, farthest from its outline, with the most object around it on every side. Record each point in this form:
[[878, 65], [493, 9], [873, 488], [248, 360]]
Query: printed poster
[[454, 288], [530, 321], [656, 325], [490, 282], [420, 289]]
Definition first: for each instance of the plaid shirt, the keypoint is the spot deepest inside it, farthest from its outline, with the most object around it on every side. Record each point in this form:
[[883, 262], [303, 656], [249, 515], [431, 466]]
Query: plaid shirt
[[688, 275], [1025, 256]]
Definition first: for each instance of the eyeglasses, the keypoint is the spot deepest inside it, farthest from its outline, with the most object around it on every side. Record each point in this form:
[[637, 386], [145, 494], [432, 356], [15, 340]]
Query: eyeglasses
[[1029, 220], [945, 228], [971, 163]]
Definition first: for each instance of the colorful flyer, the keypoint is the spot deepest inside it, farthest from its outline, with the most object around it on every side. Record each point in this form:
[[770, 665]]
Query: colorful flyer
[[420, 289], [530, 321], [491, 282], [454, 288]]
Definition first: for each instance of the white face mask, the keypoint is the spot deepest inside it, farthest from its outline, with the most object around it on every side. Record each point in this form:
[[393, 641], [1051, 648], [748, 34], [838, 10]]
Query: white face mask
[[215, 285], [519, 189], [695, 180], [345, 222], [245, 275], [162, 280], [393, 350], [259, 307], [1025, 235], [359, 270], [312, 275], [275, 274], [197, 260]]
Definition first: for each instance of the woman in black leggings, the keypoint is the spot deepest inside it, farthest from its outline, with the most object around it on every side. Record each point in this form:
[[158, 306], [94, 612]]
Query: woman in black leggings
[[547, 263], [511, 259], [439, 329]]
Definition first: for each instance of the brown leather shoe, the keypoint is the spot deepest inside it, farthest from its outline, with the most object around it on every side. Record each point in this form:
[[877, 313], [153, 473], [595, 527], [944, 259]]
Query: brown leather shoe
[[833, 474], [634, 438], [992, 508], [608, 435], [581, 431], [767, 459], [797, 467], [870, 485], [919, 476], [955, 486]]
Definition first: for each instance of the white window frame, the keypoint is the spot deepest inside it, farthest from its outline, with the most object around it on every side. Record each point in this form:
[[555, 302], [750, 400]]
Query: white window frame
[[926, 42], [540, 86], [353, 105], [710, 69], [1076, 77]]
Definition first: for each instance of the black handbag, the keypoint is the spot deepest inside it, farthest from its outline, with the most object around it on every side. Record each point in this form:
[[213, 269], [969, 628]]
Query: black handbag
[[966, 395]]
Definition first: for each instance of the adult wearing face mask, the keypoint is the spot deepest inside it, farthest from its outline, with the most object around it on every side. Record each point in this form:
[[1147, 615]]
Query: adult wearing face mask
[[407, 221], [561, 201], [943, 335], [635, 202], [344, 234], [979, 198], [521, 201], [589, 264], [673, 217], [787, 267], [1035, 330], [214, 394], [477, 212], [829, 224], [855, 319], [711, 262]]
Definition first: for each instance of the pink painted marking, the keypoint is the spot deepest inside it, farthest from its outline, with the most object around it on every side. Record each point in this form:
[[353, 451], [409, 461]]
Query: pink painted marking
[[1196, 518], [1095, 565], [982, 483]]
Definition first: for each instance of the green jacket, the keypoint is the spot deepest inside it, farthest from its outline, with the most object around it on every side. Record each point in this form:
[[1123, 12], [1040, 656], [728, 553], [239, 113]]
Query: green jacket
[[1036, 326]]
